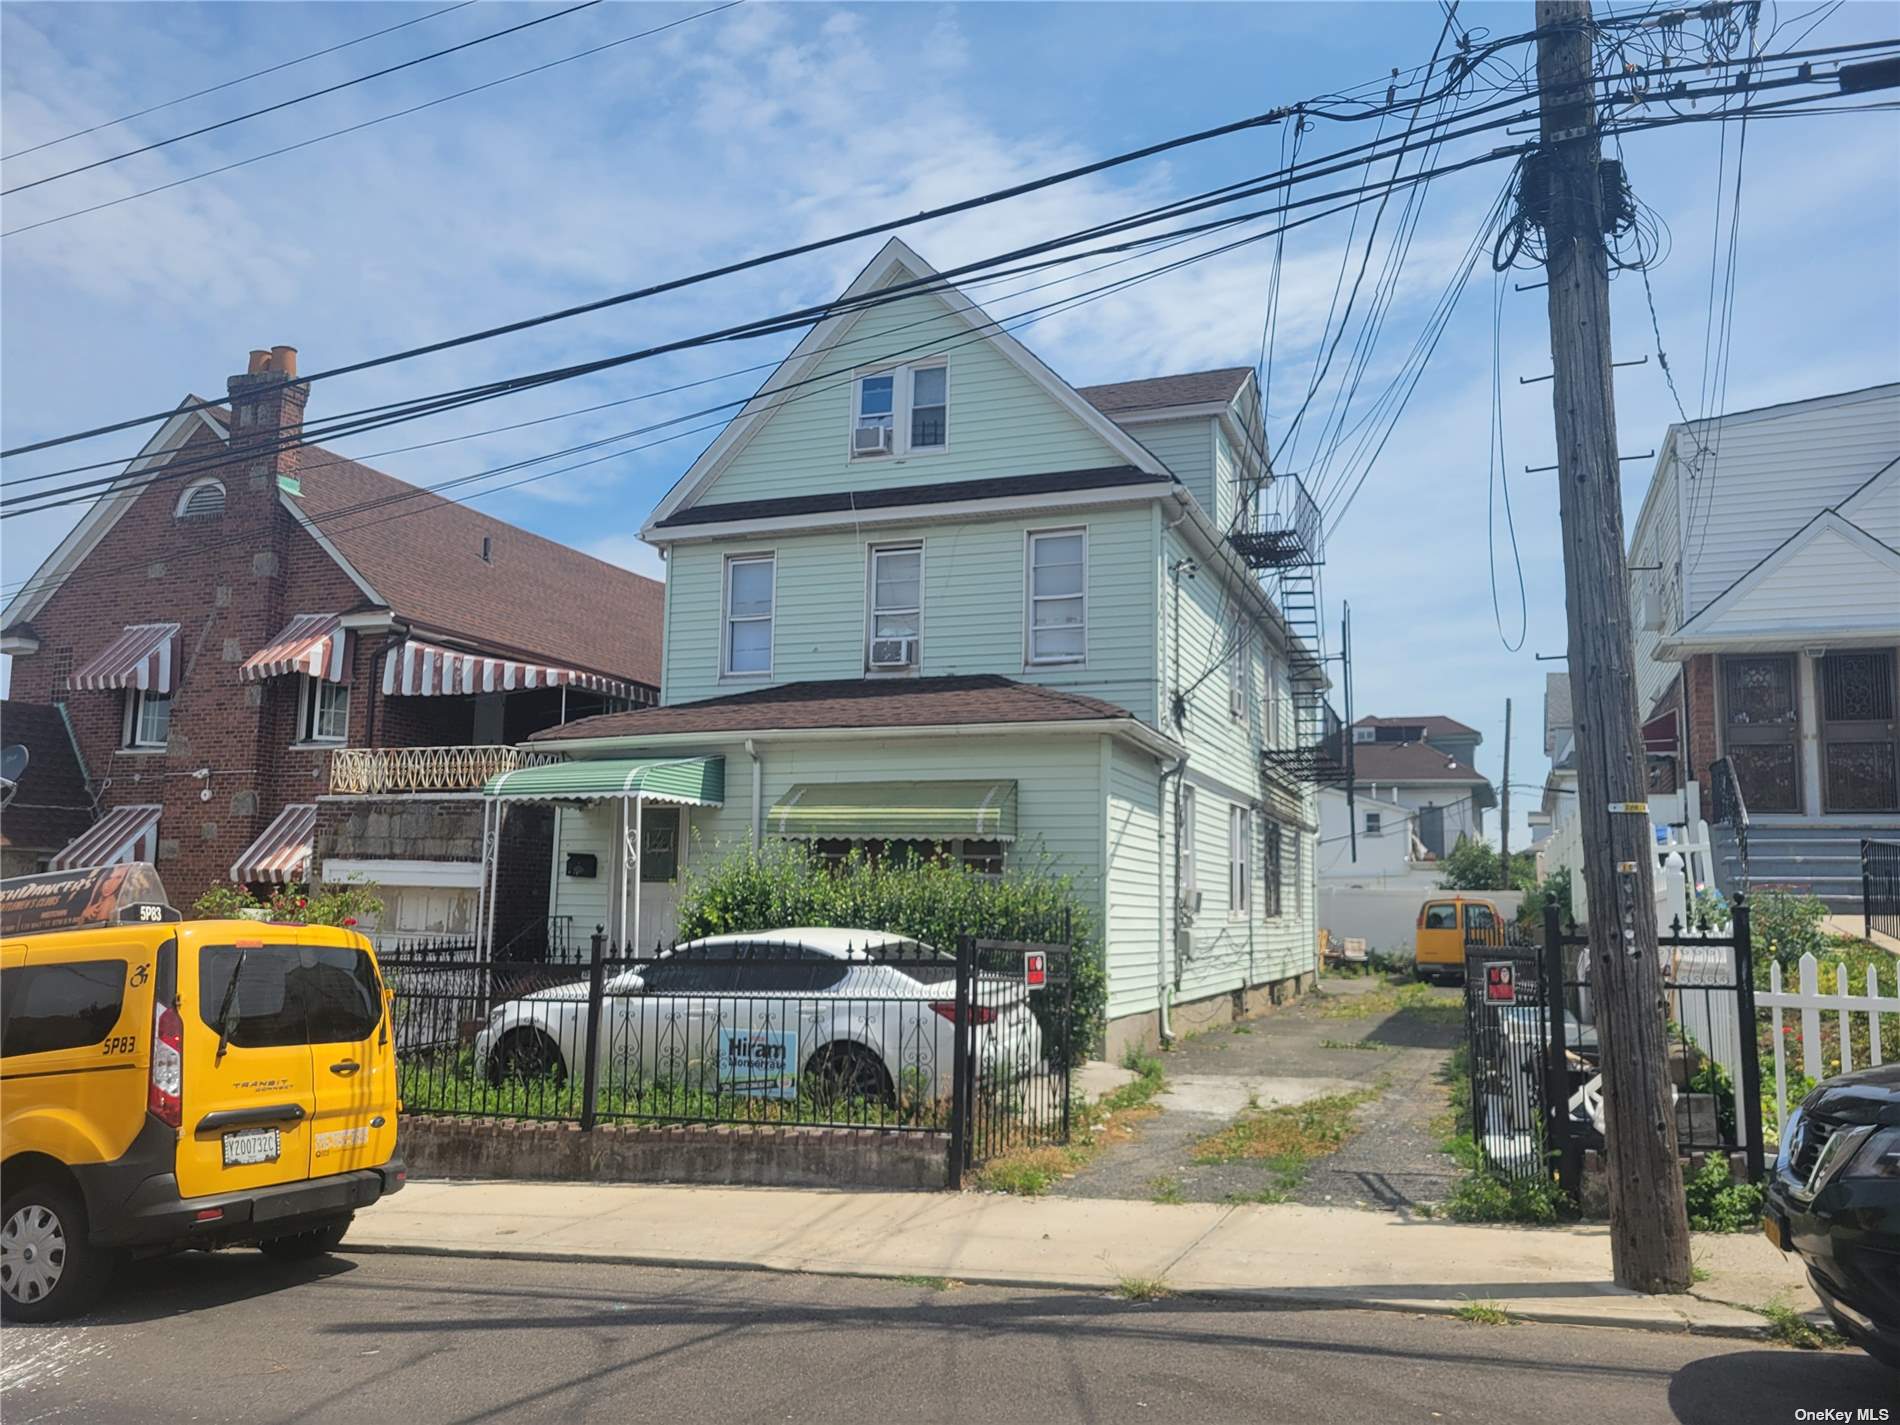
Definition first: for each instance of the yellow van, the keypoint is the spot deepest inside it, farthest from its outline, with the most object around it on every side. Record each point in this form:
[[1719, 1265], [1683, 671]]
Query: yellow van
[[169, 1084], [1444, 924]]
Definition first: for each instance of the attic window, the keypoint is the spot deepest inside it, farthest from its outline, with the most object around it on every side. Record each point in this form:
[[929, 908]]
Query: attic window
[[203, 500], [902, 410], [488, 549]]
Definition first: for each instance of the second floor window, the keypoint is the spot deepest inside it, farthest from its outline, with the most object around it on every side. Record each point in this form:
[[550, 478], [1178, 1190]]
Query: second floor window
[[1275, 871], [1058, 601], [148, 718], [1372, 823], [748, 632], [1239, 860], [902, 411], [897, 594], [323, 711], [1184, 846], [1239, 679]]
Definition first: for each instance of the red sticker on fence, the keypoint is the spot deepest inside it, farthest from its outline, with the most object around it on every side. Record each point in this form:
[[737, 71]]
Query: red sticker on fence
[[1500, 982], [1035, 969]]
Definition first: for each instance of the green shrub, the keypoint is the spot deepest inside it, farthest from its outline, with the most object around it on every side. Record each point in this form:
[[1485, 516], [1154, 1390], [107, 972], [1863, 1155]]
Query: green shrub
[[1784, 927], [342, 905], [1717, 1203], [936, 901]]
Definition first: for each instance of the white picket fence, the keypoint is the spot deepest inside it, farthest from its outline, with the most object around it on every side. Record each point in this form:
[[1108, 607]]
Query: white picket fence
[[1805, 1006]]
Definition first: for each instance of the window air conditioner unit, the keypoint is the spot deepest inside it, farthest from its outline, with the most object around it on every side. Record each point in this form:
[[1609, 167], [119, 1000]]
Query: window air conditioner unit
[[871, 440], [893, 652]]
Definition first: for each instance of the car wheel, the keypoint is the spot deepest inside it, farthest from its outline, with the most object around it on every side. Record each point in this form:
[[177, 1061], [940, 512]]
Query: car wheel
[[841, 1073], [48, 1266], [526, 1054], [302, 1246]]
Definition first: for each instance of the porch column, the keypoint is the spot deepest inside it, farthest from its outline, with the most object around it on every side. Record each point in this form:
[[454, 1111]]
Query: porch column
[[620, 862], [639, 848], [1807, 672]]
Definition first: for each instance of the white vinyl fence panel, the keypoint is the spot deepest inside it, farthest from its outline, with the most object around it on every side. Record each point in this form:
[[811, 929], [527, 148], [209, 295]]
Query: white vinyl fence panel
[[1806, 1009]]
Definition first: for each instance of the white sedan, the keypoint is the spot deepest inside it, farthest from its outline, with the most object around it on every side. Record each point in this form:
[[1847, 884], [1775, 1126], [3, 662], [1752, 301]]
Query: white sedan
[[834, 1014]]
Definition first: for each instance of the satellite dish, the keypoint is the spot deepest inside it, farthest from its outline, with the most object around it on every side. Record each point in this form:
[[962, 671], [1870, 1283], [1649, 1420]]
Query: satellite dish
[[12, 768]]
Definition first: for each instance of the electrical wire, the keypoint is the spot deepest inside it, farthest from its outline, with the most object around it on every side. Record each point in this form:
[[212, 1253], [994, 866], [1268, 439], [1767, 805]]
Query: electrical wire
[[1499, 473]]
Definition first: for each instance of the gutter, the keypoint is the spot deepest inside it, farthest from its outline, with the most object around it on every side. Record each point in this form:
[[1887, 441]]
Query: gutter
[[1130, 728]]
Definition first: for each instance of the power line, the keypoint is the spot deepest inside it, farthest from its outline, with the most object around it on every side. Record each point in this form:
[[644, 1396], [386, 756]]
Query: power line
[[366, 123], [301, 98], [226, 84]]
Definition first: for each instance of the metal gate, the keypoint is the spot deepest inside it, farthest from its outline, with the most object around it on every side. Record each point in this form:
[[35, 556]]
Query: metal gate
[[1014, 1007], [1507, 1034]]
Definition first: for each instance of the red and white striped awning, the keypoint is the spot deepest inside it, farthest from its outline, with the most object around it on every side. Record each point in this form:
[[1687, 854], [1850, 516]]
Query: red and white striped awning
[[426, 670], [282, 852], [128, 833], [309, 643], [145, 657]]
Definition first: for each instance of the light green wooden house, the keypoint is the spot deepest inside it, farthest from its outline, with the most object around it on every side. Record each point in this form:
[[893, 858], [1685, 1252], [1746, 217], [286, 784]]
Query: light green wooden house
[[923, 589]]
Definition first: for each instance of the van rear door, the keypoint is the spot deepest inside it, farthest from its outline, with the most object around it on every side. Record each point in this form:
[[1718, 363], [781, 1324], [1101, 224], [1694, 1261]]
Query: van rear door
[[248, 1107], [353, 1058]]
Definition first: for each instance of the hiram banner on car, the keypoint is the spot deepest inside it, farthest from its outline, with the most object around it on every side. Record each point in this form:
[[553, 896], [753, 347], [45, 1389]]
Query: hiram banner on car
[[759, 1062]]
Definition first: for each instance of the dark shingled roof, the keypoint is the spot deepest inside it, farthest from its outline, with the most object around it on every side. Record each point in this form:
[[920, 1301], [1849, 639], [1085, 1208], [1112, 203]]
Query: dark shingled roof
[[1408, 762], [51, 807], [893, 496], [535, 597], [852, 703], [1435, 725], [1191, 388]]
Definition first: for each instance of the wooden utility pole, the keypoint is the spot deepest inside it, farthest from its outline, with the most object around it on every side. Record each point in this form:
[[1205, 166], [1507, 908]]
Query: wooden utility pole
[[1649, 1229], [1504, 808]]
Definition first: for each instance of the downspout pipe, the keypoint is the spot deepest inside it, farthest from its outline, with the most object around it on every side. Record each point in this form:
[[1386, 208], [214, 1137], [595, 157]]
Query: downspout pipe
[[758, 794], [1165, 981]]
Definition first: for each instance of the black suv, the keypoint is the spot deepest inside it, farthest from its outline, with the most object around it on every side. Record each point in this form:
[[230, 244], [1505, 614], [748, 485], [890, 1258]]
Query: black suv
[[1834, 1199]]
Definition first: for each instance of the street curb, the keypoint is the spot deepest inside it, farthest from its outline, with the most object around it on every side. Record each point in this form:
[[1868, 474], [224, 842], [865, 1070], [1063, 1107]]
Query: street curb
[[1315, 1298]]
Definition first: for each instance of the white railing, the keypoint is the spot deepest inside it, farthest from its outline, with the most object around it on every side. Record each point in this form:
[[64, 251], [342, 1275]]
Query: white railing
[[1805, 1007], [375, 770]]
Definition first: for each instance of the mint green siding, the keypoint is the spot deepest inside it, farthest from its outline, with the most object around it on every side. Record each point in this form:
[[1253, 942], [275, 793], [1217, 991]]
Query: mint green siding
[[1139, 884], [1000, 422], [1187, 448], [973, 605]]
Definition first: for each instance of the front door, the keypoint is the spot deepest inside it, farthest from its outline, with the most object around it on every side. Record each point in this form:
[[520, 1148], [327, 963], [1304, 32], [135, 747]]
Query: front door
[[659, 875], [1860, 754], [1761, 726]]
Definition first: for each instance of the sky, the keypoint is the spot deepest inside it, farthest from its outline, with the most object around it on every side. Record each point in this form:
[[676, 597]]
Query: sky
[[739, 132]]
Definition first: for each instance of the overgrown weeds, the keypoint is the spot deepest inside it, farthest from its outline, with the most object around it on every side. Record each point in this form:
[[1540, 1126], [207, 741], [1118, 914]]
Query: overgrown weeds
[[1484, 1313], [1289, 1133], [1031, 1172], [1409, 997], [1143, 1289], [1791, 1328]]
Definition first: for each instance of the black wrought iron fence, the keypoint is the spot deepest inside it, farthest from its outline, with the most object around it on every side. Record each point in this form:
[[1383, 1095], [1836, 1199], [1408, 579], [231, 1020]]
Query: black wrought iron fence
[[970, 1042], [1880, 886]]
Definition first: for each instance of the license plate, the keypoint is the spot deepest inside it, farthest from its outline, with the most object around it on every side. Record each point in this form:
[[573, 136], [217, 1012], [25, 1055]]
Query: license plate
[[1775, 1230], [252, 1145]]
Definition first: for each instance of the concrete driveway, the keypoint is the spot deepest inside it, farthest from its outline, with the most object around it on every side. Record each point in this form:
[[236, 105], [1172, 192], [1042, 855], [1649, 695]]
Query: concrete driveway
[[1350, 1036]]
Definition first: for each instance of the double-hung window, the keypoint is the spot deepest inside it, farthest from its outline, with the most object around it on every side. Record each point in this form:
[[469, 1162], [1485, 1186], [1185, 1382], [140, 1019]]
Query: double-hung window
[[1239, 860], [323, 710], [910, 404], [1239, 675], [747, 638], [148, 718], [1058, 599], [1276, 878], [1184, 850], [897, 594]]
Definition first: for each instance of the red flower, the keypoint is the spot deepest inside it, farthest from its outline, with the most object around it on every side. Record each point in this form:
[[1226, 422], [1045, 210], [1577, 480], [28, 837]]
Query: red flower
[[349, 920], [302, 902]]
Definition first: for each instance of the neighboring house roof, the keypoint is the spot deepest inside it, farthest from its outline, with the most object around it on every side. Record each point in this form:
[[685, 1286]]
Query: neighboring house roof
[[1402, 762], [1192, 388], [1557, 714], [950, 492], [852, 703], [1435, 725], [51, 806], [533, 596]]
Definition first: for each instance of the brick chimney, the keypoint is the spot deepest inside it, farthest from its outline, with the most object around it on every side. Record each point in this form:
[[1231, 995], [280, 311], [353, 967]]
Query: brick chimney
[[267, 404]]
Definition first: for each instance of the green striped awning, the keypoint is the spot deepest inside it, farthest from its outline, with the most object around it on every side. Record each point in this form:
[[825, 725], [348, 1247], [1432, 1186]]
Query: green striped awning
[[906, 811], [692, 781]]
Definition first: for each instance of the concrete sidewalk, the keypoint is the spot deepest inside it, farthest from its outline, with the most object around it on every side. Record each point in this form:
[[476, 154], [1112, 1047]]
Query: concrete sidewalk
[[1295, 1254]]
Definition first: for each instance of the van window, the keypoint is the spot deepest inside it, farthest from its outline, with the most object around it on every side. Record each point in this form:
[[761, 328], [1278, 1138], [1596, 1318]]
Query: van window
[[1441, 917], [290, 994], [51, 1007], [1479, 917]]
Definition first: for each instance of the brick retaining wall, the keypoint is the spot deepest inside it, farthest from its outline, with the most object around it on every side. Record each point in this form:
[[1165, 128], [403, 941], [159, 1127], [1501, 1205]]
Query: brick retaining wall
[[719, 1155]]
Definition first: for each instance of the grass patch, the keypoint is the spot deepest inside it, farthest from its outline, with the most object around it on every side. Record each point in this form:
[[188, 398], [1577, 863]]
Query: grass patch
[[1409, 997], [1791, 1328], [1293, 1132], [1484, 1313], [1367, 1044], [1031, 1172], [932, 1283], [1166, 1190], [1143, 1289], [1285, 1176], [1698, 1273]]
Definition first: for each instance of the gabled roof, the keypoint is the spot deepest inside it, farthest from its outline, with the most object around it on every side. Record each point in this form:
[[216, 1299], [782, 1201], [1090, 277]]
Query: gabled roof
[[1403, 762], [1192, 388], [895, 262], [852, 703], [51, 806]]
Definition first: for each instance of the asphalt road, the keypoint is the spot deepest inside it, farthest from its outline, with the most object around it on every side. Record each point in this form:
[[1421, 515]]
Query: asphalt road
[[367, 1338]]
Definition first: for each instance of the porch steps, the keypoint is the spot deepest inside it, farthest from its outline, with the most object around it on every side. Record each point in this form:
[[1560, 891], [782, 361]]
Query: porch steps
[[1821, 859]]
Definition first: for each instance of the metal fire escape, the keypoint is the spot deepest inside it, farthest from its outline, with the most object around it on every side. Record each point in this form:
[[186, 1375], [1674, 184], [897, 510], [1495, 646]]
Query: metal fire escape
[[1284, 543]]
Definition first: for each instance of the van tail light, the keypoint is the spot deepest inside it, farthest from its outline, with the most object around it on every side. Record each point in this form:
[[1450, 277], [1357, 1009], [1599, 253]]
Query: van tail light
[[166, 1095], [979, 1013]]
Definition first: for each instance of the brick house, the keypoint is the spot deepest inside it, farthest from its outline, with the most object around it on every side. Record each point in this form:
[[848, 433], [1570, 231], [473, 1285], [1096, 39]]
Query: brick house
[[278, 663], [47, 801]]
